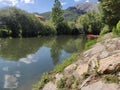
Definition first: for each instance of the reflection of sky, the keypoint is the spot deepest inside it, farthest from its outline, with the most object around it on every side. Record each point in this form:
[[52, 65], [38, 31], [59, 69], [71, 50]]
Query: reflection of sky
[[10, 81], [22, 73]]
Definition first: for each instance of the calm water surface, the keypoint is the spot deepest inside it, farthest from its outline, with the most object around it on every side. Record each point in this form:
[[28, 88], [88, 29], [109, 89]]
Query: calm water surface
[[22, 61]]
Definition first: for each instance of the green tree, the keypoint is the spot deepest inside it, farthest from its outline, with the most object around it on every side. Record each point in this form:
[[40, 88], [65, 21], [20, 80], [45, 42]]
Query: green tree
[[90, 23], [111, 13], [57, 14]]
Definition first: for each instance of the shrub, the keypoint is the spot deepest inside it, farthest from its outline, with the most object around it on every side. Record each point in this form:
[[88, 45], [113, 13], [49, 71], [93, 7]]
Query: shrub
[[49, 29], [61, 83], [44, 79], [63, 28], [111, 79], [105, 30], [4, 33], [116, 31]]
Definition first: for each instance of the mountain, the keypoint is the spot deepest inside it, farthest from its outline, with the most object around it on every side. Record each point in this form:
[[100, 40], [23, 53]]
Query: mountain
[[72, 13]]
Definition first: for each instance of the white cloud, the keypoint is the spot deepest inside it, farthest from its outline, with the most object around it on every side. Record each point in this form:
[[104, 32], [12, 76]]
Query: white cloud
[[27, 1], [9, 2], [63, 3], [76, 0], [87, 0], [15, 2]]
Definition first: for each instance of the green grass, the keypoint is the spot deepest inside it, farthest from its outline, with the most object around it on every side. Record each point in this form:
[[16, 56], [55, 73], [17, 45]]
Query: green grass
[[59, 68], [65, 63], [61, 83], [89, 43], [44, 79], [111, 79]]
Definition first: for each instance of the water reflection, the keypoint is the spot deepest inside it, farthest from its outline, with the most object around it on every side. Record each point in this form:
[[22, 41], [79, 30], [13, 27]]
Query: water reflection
[[10, 82], [22, 61], [14, 49]]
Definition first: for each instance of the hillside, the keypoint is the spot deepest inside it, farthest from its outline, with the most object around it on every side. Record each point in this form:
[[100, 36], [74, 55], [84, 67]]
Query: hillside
[[72, 13]]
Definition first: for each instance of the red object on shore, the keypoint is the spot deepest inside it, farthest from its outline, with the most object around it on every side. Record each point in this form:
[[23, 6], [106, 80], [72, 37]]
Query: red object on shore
[[92, 36]]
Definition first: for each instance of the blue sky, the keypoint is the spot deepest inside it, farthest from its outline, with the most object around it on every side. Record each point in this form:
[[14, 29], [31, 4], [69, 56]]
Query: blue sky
[[39, 6]]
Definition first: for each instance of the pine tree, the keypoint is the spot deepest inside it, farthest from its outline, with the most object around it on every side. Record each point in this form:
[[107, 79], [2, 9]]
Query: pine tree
[[57, 14]]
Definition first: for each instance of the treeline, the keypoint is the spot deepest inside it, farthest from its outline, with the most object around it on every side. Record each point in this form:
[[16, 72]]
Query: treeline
[[18, 23]]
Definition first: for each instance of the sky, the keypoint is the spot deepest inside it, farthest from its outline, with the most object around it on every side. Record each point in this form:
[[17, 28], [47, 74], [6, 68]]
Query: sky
[[39, 6]]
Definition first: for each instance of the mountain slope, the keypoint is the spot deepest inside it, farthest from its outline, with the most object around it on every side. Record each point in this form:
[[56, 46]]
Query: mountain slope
[[72, 13]]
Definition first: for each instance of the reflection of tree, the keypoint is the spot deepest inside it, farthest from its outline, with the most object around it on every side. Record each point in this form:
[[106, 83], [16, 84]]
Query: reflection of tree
[[70, 44], [75, 45], [57, 46], [15, 49], [55, 54]]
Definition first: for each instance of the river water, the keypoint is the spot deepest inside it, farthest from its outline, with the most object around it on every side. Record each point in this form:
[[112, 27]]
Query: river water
[[22, 61]]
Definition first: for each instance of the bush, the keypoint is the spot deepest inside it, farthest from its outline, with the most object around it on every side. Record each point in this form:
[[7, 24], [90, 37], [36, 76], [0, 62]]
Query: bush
[[49, 29], [21, 23], [44, 79], [4, 33], [90, 23], [61, 83], [116, 31], [63, 28], [111, 79], [105, 30]]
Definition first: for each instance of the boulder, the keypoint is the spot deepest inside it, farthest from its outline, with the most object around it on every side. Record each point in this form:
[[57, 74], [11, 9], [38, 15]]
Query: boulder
[[110, 64], [104, 54], [81, 69], [70, 69], [101, 86], [97, 48]]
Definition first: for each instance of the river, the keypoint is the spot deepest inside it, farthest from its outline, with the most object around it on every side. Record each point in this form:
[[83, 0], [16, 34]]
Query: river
[[22, 61]]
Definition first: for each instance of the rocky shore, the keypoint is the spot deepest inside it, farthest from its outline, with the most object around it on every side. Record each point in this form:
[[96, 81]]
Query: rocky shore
[[97, 69]]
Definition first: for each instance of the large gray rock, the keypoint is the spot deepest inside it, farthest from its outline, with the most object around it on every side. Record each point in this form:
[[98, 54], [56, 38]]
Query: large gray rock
[[110, 64], [70, 69], [101, 86], [81, 69], [104, 54], [97, 48]]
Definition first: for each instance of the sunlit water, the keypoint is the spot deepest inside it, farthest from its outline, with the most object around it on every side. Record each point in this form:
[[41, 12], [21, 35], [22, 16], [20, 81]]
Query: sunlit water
[[22, 61]]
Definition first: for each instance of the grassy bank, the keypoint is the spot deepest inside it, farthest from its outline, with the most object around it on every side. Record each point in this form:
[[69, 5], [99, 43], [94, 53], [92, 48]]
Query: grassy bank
[[46, 77]]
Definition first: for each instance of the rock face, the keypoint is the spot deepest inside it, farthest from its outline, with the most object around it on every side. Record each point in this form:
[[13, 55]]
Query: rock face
[[81, 69], [101, 86], [110, 64], [102, 58]]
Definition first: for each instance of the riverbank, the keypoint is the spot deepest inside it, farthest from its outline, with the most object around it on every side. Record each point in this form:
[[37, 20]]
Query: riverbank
[[95, 69]]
